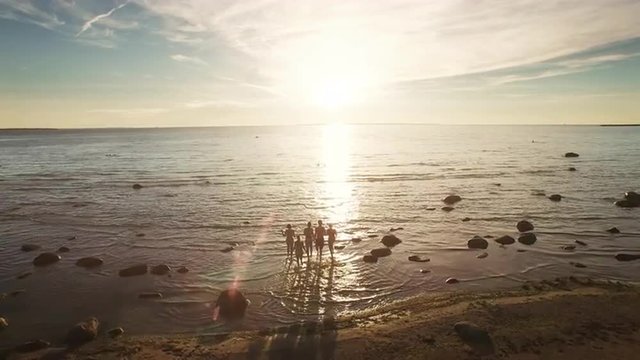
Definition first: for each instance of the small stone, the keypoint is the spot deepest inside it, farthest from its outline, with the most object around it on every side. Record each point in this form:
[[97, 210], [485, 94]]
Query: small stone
[[140, 235], [73, 237], [571, 155], [134, 270], [417, 258], [390, 240], [451, 199], [482, 255], [29, 247], [137, 186], [356, 240], [381, 252], [555, 197], [569, 247], [572, 169], [227, 249], [150, 295], [246, 222], [524, 226], [613, 230], [396, 229], [89, 262], [24, 275], [447, 208], [466, 219], [182, 270], [31, 346], [477, 243], [451, 281], [45, 259], [371, 236], [63, 249], [581, 243], [627, 257], [115, 332], [578, 265], [527, 239], [160, 269], [521, 250], [505, 240], [83, 332], [425, 271], [370, 259], [338, 247], [430, 208]]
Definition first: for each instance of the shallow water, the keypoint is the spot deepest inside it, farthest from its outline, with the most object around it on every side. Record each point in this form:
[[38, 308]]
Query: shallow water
[[202, 186]]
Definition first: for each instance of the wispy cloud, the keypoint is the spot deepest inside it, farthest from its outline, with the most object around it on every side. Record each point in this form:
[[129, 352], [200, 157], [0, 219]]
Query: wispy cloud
[[188, 59], [87, 25], [26, 11], [130, 112]]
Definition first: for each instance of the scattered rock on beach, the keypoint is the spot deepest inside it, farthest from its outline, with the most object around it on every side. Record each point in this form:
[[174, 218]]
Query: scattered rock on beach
[[555, 197], [161, 269], [356, 240], [141, 235], [390, 240], [451, 281], [568, 247], [627, 257], [31, 346], [447, 208], [524, 226], [83, 332], [370, 259], [466, 219], [29, 247], [338, 247], [182, 270], [429, 208], [572, 169], [46, 259], [474, 336], [115, 332], [63, 249], [150, 295], [227, 249], [89, 262], [232, 304], [451, 199], [416, 258], [381, 252], [527, 239], [134, 270], [578, 265], [613, 230], [425, 271], [571, 155], [3, 323], [482, 255], [581, 243], [396, 229], [137, 186], [371, 236], [477, 243], [505, 240]]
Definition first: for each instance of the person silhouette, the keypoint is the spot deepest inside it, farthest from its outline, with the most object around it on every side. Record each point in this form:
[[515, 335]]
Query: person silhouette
[[299, 249], [290, 234], [308, 239], [320, 231], [332, 233]]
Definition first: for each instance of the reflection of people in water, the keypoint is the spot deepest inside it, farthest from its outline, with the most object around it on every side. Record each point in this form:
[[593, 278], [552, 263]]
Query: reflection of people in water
[[308, 239], [319, 237], [332, 233], [299, 249], [290, 234]]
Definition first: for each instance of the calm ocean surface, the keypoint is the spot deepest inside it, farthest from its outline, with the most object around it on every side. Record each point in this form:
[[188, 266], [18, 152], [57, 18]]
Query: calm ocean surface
[[210, 187]]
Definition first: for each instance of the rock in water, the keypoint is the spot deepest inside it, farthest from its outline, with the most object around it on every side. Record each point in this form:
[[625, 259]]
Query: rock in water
[[578, 265], [569, 247], [527, 239], [505, 240], [3, 323], [613, 230], [482, 255], [625, 204], [382, 252], [477, 243], [571, 155], [89, 262], [29, 247], [474, 336], [83, 332], [338, 247], [46, 259], [134, 270], [390, 240], [632, 196], [160, 269], [370, 259], [63, 249], [524, 226], [31, 346], [227, 249], [417, 258], [137, 186], [182, 270], [356, 240], [451, 199], [627, 257], [451, 281], [555, 197], [447, 208], [466, 219], [115, 332], [232, 304], [572, 169]]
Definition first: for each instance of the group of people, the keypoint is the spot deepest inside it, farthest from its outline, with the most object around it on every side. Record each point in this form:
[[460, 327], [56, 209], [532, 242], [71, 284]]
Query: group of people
[[313, 237]]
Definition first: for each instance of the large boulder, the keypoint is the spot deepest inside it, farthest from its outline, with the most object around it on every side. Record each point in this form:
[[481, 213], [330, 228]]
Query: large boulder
[[29, 247], [83, 332], [555, 197], [571, 155], [390, 240], [633, 197], [627, 257], [134, 270], [451, 199], [232, 304], [370, 259], [161, 269], [89, 262], [524, 226], [381, 252], [527, 239], [477, 243], [474, 336], [45, 259], [625, 204], [505, 240]]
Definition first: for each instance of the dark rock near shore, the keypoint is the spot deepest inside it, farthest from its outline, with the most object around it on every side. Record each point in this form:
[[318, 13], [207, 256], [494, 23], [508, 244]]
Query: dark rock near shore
[[160, 269], [29, 247], [447, 208], [569, 247], [134, 270], [466, 219], [356, 240], [474, 336], [371, 236], [150, 295], [182, 270], [45, 259], [137, 186], [578, 265], [417, 258], [390, 240], [632, 196], [572, 169], [477, 243], [89, 262], [527, 239], [396, 229], [381, 252], [370, 259], [451, 199], [83, 332], [31, 346], [524, 226], [115, 332], [63, 249], [555, 197], [24, 275], [581, 243], [227, 249], [451, 281], [482, 255], [338, 247], [141, 235], [73, 237], [429, 208], [625, 204], [232, 304], [425, 271], [627, 257], [571, 155], [613, 230], [505, 240]]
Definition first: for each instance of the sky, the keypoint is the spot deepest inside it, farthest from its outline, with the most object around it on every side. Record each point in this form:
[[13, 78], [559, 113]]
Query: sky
[[155, 63]]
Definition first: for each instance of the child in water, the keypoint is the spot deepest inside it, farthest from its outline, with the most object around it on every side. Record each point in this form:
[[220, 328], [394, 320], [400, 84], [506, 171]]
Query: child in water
[[289, 233], [299, 249]]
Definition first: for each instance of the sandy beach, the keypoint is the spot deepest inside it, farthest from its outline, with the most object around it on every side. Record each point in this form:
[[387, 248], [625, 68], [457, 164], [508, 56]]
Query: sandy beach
[[563, 318]]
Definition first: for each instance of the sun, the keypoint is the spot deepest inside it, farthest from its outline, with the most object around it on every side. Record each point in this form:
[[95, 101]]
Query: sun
[[334, 94]]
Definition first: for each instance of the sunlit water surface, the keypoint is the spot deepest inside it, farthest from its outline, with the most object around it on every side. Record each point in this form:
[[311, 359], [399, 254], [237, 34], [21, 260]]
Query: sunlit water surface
[[207, 188]]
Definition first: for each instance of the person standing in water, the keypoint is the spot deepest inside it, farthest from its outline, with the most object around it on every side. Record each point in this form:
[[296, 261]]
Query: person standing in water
[[332, 233], [299, 249], [319, 238], [290, 234], [308, 239]]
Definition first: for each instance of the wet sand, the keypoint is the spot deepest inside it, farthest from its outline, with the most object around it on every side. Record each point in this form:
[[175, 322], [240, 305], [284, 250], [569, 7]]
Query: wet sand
[[564, 318]]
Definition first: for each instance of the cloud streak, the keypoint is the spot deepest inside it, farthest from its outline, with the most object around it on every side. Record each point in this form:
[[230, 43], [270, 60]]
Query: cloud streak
[[188, 59], [87, 25]]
